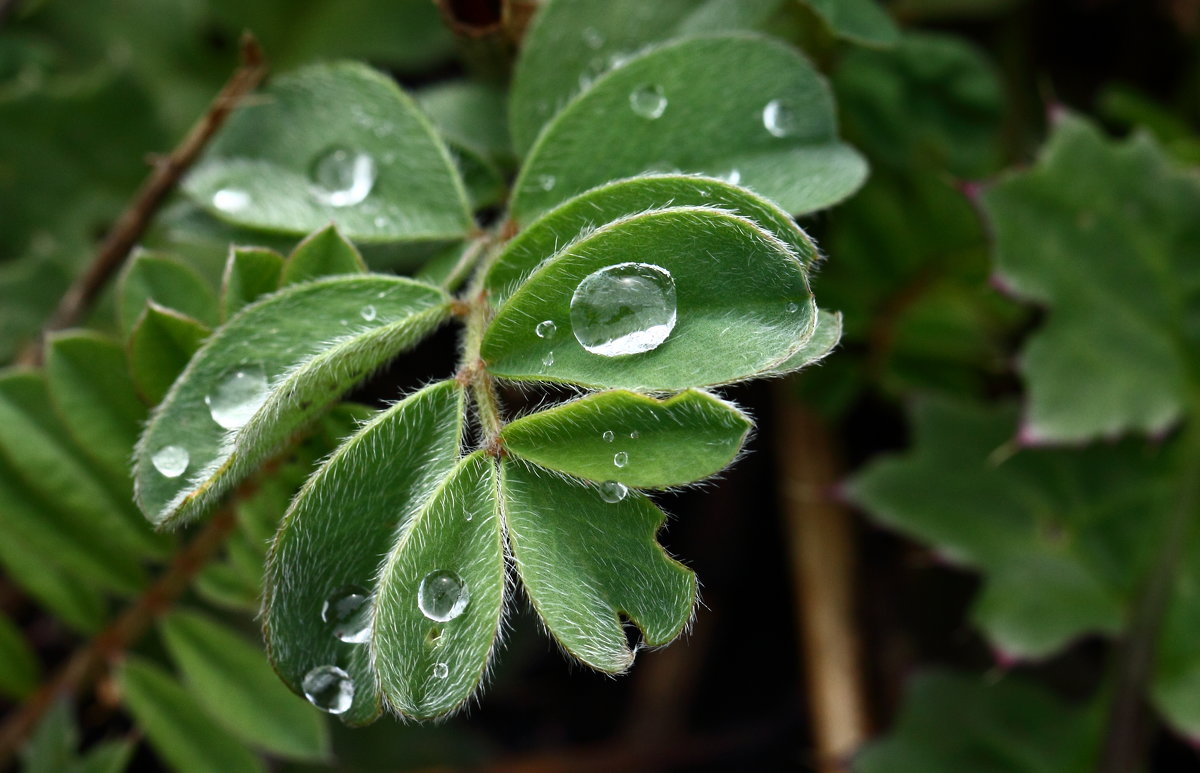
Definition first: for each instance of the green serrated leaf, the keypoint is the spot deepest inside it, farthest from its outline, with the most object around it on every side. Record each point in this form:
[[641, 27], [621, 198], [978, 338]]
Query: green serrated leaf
[[824, 340], [580, 215], [748, 109], [441, 595], [334, 142], [862, 21], [1104, 235], [18, 665], [182, 734], [267, 372], [584, 580], [230, 677], [342, 525], [250, 273], [167, 282], [160, 347], [631, 438], [741, 306], [324, 253]]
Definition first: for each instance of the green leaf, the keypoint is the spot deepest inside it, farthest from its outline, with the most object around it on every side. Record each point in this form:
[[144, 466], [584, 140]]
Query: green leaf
[[324, 253], [91, 387], [742, 305], [51, 748], [824, 340], [862, 21], [581, 214], [160, 347], [1104, 235], [230, 677], [18, 665], [744, 108], [953, 723], [340, 528], [571, 42], [167, 282], [631, 438], [430, 665], [250, 273], [267, 372], [1175, 683], [106, 757], [181, 733], [334, 142], [470, 115], [584, 580], [78, 604]]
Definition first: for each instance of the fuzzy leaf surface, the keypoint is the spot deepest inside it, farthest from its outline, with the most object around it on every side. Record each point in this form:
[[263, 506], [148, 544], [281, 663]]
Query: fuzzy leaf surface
[[167, 282], [324, 253], [250, 272], [587, 565], [824, 340], [742, 302], [311, 342], [659, 443], [160, 347]]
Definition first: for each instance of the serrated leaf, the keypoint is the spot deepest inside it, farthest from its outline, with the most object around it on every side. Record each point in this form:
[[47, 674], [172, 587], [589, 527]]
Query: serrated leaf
[[18, 665], [91, 387], [584, 579], [824, 340], [230, 677], [429, 666], [250, 273], [581, 214], [182, 734], [342, 525], [160, 347], [571, 42], [631, 438], [742, 305], [862, 21], [393, 179], [296, 351], [1104, 235], [167, 282], [324, 253], [740, 107]]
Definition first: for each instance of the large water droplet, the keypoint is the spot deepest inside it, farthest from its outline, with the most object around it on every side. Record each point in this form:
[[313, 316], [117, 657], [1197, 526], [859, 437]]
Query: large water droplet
[[343, 177], [236, 398], [612, 492], [620, 459], [231, 200], [648, 101], [440, 670], [347, 611], [368, 313], [171, 461], [546, 329], [780, 118], [442, 595], [624, 309], [608, 436], [329, 688]]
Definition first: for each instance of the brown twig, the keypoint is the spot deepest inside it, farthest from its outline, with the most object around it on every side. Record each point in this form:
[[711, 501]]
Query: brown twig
[[165, 174], [821, 544]]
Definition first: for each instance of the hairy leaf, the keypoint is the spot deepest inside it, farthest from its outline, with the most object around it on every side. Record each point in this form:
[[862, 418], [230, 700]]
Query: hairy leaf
[[824, 340], [160, 347], [167, 282], [250, 272], [324, 253]]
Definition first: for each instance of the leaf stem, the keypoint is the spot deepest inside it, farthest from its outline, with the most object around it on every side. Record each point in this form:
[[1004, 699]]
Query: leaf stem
[[472, 372]]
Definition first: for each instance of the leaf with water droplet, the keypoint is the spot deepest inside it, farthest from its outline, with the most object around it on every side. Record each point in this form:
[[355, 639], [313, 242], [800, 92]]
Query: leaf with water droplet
[[329, 125], [324, 253], [344, 523], [250, 273], [583, 580], [705, 98], [731, 283], [307, 358], [682, 439], [167, 282], [440, 596], [162, 343], [861, 21]]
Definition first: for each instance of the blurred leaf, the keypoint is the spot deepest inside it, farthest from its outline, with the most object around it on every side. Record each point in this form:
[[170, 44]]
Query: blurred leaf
[[231, 678], [168, 283], [18, 665], [250, 273], [340, 528], [632, 439], [333, 142], [748, 109], [160, 346], [722, 322], [585, 581], [324, 253], [1104, 235], [470, 115], [1175, 684], [80, 605], [267, 372], [862, 21], [107, 757], [182, 734], [51, 747]]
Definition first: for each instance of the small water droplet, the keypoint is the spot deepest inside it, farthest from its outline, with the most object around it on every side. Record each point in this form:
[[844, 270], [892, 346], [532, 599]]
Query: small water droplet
[[368, 313], [792, 308], [545, 182], [231, 200], [648, 101], [734, 177], [623, 309], [593, 37], [780, 118], [329, 688], [546, 329], [442, 595], [548, 360], [440, 670], [343, 177], [620, 459], [608, 436], [634, 435], [236, 398], [612, 492], [171, 461], [347, 611]]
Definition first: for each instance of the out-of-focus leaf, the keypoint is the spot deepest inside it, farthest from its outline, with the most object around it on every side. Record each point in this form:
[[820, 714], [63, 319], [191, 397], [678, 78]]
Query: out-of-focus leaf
[[862, 21], [324, 253], [168, 283], [78, 604], [106, 757], [470, 115], [18, 665], [160, 347], [51, 747], [250, 273]]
